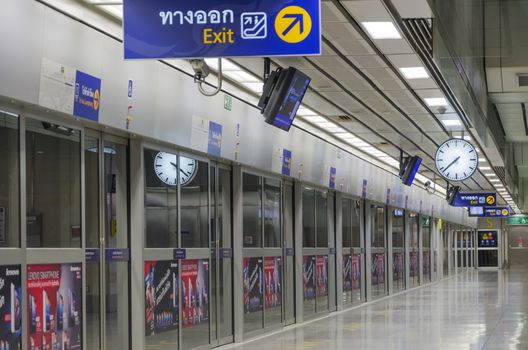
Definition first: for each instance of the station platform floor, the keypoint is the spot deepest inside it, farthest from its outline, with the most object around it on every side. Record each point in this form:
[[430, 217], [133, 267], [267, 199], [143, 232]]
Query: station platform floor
[[471, 310]]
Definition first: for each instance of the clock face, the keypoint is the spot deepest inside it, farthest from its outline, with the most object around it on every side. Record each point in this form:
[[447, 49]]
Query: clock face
[[456, 160], [166, 169]]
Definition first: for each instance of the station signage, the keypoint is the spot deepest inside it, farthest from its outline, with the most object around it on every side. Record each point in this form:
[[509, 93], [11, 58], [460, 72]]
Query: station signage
[[517, 220], [475, 199], [496, 212], [155, 29]]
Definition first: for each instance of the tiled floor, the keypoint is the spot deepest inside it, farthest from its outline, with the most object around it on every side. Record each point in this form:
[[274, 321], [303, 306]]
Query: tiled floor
[[473, 310]]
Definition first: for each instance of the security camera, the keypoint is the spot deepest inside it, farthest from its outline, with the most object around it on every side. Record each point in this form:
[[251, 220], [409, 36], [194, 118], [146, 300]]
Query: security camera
[[200, 68], [428, 188], [442, 110]]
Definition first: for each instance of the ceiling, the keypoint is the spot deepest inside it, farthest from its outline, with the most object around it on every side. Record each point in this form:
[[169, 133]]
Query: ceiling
[[358, 86]]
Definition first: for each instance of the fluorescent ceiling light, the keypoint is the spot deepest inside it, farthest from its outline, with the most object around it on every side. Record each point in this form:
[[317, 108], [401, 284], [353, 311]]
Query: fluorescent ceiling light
[[336, 129], [484, 168], [493, 180], [489, 174], [414, 72], [303, 111], [382, 30], [451, 122], [482, 160], [315, 119], [326, 124], [435, 101]]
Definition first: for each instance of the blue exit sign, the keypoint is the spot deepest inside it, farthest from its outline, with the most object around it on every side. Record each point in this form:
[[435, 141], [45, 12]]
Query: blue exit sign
[[155, 29]]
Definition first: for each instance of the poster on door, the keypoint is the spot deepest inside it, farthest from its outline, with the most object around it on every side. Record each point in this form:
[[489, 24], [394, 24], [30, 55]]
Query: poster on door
[[347, 272], [356, 271], [272, 278], [54, 304], [10, 307], [195, 292], [253, 293], [374, 269], [426, 262], [309, 276], [161, 296], [397, 266], [414, 264], [322, 275], [381, 267]]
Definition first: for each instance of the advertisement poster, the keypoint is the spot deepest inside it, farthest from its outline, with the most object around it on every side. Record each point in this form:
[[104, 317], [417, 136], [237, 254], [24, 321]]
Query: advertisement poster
[[195, 292], [397, 266], [10, 307], [322, 275], [378, 269], [214, 145], [414, 264], [426, 262], [347, 272], [272, 277], [161, 296], [356, 271], [309, 276], [54, 304], [87, 98], [286, 162], [252, 275]]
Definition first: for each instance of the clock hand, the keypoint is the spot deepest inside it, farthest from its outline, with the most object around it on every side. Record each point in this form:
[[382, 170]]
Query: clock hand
[[173, 164], [453, 162]]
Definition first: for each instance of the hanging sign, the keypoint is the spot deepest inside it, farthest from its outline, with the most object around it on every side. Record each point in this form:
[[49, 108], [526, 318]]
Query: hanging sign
[[475, 199], [215, 28]]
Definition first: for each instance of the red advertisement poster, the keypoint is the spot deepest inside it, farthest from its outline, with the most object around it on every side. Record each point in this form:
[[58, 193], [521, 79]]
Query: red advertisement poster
[[356, 271], [195, 292], [272, 277], [397, 266], [10, 307], [414, 264], [426, 262], [381, 268], [322, 275], [54, 297]]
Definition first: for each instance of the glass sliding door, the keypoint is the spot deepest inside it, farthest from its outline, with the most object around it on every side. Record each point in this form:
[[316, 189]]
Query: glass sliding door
[[107, 241], [426, 249], [398, 250], [378, 258], [352, 253], [414, 258]]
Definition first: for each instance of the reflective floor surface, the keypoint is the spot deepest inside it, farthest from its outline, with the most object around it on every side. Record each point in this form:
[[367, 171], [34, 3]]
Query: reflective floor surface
[[472, 310]]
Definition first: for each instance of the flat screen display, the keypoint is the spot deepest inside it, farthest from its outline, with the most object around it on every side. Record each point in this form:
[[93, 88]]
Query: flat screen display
[[285, 97], [476, 211], [411, 170]]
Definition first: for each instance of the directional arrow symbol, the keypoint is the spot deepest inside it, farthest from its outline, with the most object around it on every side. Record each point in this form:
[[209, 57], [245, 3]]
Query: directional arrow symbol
[[297, 18]]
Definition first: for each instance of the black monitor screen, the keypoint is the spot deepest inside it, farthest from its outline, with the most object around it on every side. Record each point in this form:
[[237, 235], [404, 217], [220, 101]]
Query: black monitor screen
[[285, 98], [476, 211]]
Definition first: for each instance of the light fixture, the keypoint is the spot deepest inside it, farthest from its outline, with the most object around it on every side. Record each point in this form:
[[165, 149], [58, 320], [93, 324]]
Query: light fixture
[[484, 168], [414, 72], [493, 180], [451, 122], [435, 101], [382, 30], [489, 174], [315, 119]]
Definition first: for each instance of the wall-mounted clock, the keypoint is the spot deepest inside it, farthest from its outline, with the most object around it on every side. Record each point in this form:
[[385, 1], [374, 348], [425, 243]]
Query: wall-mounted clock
[[166, 169], [456, 160]]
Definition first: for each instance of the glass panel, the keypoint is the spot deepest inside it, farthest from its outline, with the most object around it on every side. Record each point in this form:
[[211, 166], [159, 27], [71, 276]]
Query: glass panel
[[116, 316], [273, 290], [414, 248], [116, 195], [322, 283], [161, 304], [308, 211], [426, 244], [53, 165], [272, 213], [356, 224], [252, 274], [289, 269], [9, 182], [225, 291], [309, 284], [378, 274], [161, 199], [356, 277], [398, 271], [194, 203], [398, 231], [91, 184], [93, 306], [195, 298], [252, 199], [321, 218], [378, 227], [347, 222]]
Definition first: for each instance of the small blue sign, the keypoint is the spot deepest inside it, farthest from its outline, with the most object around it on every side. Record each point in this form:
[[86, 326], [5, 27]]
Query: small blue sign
[[496, 212], [117, 254], [485, 199], [179, 254], [364, 189], [158, 29], [289, 251], [215, 139], [91, 255], [286, 162], [130, 88], [87, 98], [332, 180], [226, 253]]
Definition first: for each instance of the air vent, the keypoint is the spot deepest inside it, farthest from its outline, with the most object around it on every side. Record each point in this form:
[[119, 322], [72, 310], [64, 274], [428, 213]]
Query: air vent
[[421, 32], [501, 173], [523, 79], [342, 118]]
